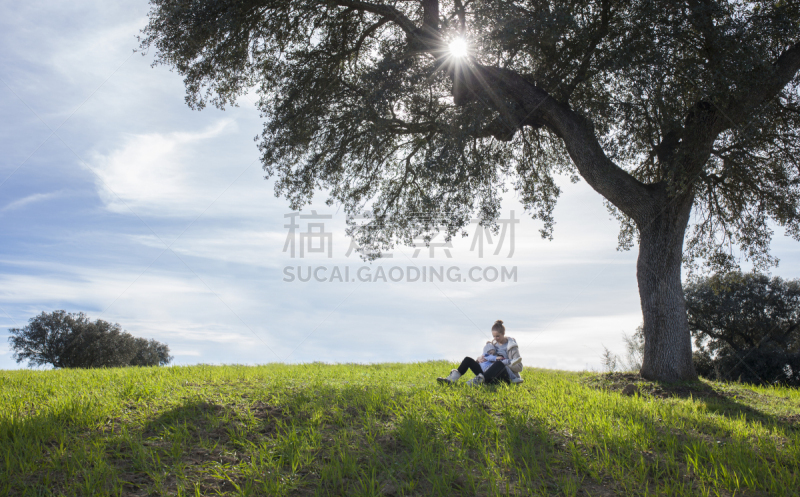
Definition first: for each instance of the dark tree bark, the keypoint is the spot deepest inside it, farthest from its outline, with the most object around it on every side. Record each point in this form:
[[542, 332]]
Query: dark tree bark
[[668, 347]]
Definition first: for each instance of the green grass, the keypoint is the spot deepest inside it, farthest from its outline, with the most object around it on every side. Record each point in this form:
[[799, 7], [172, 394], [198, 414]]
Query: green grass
[[388, 429]]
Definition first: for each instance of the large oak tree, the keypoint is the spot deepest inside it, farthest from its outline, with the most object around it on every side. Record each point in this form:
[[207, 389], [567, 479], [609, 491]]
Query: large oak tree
[[683, 115]]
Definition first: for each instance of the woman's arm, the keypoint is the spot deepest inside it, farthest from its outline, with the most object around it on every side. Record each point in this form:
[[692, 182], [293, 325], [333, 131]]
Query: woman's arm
[[514, 358]]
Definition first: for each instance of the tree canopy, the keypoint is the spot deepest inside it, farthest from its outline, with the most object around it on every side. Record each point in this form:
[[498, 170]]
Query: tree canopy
[[364, 100], [746, 326], [70, 340]]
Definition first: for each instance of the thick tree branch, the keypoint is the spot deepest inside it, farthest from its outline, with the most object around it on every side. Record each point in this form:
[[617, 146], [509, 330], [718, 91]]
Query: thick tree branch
[[705, 121], [366, 34], [782, 72], [397, 17], [522, 103]]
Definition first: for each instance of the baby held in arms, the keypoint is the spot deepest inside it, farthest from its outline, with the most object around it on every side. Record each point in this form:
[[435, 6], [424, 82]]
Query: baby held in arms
[[489, 354]]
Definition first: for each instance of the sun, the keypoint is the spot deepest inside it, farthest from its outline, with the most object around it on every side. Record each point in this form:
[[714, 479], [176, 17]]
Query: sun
[[459, 47]]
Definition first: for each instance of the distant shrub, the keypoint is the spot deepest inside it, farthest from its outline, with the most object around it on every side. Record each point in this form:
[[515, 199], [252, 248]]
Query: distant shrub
[[634, 350], [746, 327], [69, 340], [634, 354], [608, 360]]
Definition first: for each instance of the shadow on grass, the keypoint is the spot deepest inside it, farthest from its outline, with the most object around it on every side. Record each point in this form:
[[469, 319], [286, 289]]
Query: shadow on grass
[[703, 452], [173, 450], [54, 450], [716, 400]]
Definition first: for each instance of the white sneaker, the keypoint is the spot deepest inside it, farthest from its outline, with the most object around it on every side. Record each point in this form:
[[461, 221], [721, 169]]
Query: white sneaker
[[518, 379], [477, 381], [451, 378]]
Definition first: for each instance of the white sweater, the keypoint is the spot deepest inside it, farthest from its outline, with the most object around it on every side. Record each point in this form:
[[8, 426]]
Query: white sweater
[[509, 350]]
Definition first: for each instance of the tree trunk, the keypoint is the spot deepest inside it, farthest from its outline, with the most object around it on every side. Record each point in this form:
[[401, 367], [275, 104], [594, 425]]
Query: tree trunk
[[668, 345]]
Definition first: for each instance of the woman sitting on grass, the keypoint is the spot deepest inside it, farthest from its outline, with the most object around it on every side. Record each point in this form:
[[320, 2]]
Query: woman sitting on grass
[[500, 361]]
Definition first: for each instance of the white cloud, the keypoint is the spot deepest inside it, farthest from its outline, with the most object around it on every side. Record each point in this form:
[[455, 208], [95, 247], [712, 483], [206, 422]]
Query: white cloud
[[259, 315], [259, 248], [30, 199], [174, 307], [158, 174], [195, 353], [106, 46], [84, 283]]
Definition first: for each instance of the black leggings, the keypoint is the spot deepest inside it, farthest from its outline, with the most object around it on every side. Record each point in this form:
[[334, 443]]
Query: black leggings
[[496, 372]]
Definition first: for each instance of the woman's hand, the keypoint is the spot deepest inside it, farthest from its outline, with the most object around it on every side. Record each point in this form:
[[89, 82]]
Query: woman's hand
[[481, 359], [501, 358]]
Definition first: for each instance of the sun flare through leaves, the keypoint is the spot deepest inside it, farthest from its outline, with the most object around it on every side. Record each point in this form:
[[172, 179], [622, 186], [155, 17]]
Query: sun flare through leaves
[[459, 48]]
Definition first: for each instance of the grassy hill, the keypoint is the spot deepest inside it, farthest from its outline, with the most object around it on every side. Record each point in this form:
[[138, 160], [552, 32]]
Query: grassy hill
[[388, 429]]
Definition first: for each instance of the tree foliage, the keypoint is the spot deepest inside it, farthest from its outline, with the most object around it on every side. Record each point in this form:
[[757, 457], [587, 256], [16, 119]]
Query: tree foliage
[[70, 340], [363, 99], [746, 327]]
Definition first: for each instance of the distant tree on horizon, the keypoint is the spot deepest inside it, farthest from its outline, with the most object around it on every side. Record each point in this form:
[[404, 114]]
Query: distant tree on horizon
[[426, 111], [746, 327], [71, 340]]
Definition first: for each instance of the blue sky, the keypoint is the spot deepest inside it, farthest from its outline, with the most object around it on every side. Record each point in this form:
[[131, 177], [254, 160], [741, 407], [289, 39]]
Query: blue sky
[[119, 201]]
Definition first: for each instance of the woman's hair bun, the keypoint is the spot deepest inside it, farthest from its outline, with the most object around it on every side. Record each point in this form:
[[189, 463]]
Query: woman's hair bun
[[498, 327]]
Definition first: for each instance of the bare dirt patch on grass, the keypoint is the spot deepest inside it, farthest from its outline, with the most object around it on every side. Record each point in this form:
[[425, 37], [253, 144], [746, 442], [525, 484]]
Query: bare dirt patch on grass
[[617, 382]]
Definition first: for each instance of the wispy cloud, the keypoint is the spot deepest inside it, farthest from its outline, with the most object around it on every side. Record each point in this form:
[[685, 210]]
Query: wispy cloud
[[159, 174], [30, 199], [195, 353]]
